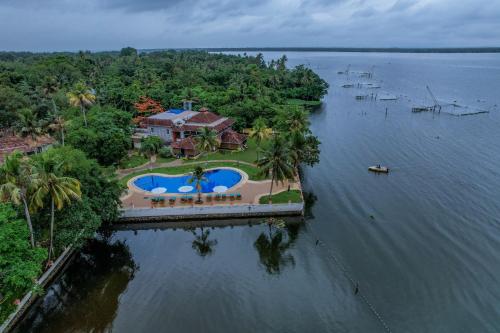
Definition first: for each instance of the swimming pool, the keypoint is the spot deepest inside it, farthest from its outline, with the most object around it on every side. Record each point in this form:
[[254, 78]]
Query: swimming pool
[[215, 177]]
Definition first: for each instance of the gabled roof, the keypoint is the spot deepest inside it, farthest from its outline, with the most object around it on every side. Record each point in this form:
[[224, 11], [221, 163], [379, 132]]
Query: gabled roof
[[231, 137], [187, 143], [204, 117]]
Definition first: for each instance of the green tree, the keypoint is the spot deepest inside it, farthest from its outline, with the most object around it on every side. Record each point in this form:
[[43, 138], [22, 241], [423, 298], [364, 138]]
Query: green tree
[[276, 161], [260, 132], [207, 140], [17, 178], [59, 189], [197, 178], [20, 264], [81, 96], [28, 124], [304, 148], [150, 147], [50, 86], [58, 124]]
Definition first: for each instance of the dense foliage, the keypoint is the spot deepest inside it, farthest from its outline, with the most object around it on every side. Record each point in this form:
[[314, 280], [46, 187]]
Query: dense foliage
[[243, 87], [20, 265]]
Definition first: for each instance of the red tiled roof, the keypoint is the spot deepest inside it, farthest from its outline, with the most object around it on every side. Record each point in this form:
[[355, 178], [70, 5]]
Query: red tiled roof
[[232, 137], [187, 143], [10, 143], [225, 124], [204, 117]]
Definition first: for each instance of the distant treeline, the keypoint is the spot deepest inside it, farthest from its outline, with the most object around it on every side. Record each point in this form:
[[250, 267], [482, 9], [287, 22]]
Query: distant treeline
[[360, 49]]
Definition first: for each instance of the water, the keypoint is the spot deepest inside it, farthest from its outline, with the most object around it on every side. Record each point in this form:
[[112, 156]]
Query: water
[[422, 242], [213, 178]]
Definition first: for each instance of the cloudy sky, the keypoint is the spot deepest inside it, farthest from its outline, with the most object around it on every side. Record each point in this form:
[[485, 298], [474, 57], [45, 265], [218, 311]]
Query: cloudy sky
[[48, 25]]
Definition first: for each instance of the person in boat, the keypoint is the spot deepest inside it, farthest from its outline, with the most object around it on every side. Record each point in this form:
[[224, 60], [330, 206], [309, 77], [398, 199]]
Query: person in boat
[[378, 166]]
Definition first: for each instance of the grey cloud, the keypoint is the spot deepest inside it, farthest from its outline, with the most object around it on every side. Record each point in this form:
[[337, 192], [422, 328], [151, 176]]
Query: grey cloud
[[112, 24]]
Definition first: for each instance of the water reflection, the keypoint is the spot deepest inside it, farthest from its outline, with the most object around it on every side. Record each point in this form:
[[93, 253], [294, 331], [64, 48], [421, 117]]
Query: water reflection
[[86, 297], [202, 244], [273, 245], [309, 200]]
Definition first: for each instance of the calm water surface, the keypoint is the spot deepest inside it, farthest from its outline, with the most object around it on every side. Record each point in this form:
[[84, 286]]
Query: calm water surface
[[423, 241]]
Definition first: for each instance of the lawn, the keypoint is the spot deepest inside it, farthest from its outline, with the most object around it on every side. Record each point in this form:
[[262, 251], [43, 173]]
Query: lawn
[[282, 197], [133, 161], [302, 102], [248, 155], [253, 172]]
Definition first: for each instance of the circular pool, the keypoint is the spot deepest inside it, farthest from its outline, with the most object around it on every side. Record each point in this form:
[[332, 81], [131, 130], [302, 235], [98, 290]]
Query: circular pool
[[214, 177]]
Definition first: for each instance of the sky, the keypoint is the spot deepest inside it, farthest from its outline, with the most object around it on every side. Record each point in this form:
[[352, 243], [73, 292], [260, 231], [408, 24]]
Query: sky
[[96, 25]]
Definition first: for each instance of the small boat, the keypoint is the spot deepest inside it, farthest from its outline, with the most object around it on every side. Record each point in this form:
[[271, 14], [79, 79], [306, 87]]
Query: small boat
[[378, 168]]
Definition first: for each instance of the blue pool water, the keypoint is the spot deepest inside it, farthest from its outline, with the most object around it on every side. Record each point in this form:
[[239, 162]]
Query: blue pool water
[[216, 177]]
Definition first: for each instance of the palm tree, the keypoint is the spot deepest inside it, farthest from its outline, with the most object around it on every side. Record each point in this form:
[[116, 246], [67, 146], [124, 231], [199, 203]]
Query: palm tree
[[81, 97], [28, 124], [17, 178], [297, 120], [50, 87], [198, 177], [150, 146], [260, 132], [59, 124], [207, 140], [61, 190], [276, 160]]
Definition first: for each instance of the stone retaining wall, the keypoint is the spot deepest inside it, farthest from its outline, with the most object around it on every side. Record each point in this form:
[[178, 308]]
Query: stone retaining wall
[[209, 212]]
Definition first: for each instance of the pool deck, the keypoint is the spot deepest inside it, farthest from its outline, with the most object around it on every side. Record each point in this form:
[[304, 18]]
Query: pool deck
[[137, 204]]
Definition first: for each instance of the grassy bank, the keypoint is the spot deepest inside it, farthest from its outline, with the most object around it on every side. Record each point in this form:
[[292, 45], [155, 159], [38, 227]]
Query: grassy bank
[[248, 155], [282, 197]]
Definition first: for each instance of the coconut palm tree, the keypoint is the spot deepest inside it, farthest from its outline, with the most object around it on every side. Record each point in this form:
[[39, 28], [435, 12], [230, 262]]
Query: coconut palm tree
[[17, 177], [276, 161], [297, 120], [150, 147], [59, 124], [260, 132], [207, 140], [28, 124], [197, 178], [50, 87], [81, 96], [61, 190]]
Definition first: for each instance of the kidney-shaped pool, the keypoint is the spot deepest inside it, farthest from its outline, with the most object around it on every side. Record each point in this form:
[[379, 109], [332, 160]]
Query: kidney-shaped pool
[[172, 184]]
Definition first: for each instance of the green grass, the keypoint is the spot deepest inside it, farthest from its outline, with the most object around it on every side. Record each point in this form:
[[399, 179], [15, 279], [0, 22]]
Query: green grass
[[302, 102], [253, 172], [283, 197], [248, 155], [164, 159], [133, 161]]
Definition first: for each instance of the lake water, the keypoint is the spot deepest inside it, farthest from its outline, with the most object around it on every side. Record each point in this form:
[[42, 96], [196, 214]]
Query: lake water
[[422, 243]]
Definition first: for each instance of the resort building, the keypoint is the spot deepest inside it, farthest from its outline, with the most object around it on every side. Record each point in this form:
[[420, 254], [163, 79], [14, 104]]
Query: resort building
[[177, 127], [10, 143]]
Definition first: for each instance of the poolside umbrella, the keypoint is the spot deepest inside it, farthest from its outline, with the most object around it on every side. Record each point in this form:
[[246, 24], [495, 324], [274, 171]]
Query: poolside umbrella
[[159, 190], [220, 189], [185, 189]]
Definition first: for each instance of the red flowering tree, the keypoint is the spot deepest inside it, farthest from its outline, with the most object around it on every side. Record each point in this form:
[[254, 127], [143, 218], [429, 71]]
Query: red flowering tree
[[145, 108]]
